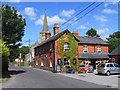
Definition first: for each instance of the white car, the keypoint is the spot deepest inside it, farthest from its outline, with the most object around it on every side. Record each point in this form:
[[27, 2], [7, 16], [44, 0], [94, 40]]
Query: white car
[[108, 68]]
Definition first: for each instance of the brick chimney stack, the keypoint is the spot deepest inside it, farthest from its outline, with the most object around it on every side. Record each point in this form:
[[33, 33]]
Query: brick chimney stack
[[56, 29], [47, 34], [75, 33]]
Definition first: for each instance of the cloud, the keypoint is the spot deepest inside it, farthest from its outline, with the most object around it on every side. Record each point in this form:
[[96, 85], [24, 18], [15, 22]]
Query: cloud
[[109, 11], [65, 13], [81, 27], [51, 20], [30, 12], [101, 18], [14, 1], [88, 23], [101, 31], [102, 25], [111, 3]]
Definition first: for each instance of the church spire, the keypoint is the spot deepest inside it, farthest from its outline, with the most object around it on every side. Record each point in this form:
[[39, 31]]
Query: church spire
[[45, 25]]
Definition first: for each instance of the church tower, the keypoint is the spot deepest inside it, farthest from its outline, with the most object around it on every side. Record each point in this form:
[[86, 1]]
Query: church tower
[[45, 29]]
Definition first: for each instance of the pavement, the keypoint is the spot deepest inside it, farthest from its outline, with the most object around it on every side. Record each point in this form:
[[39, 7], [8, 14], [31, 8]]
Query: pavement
[[112, 81], [25, 77]]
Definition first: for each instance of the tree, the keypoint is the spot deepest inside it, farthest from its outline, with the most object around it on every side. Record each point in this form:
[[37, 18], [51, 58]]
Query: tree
[[24, 50], [113, 40], [4, 55], [12, 28], [92, 33]]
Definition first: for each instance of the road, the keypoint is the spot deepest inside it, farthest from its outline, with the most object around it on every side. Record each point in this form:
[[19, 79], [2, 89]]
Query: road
[[25, 77]]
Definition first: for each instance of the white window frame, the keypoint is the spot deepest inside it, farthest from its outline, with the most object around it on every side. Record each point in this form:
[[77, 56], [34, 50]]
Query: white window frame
[[85, 48], [98, 48], [50, 62], [42, 62], [66, 46]]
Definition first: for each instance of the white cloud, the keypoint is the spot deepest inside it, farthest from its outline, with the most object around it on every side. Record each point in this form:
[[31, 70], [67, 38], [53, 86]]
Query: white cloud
[[102, 25], [104, 36], [101, 18], [88, 23], [110, 11], [101, 31], [111, 3], [51, 20], [29, 11], [67, 13], [81, 27], [14, 0]]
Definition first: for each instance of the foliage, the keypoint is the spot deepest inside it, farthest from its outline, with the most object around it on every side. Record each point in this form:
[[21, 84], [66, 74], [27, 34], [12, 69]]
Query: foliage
[[72, 53], [54, 71], [92, 33], [113, 40], [26, 64], [23, 50], [5, 53], [12, 29]]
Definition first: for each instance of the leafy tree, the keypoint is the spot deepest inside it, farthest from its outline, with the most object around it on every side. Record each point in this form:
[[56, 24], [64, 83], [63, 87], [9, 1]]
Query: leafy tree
[[4, 55], [12, 28], [113, 40], [92, 33], [24, 50]]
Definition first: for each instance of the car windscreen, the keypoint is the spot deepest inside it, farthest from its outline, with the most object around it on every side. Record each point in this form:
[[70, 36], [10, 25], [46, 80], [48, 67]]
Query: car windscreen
[[102, 65]]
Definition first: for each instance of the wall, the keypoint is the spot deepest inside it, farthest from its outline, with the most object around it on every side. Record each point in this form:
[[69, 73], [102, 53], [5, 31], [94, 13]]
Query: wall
[[116, 57], [92, 48]]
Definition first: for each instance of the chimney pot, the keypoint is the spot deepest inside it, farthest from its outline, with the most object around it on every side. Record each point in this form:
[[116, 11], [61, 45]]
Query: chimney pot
[[56, 29], [75, 33]]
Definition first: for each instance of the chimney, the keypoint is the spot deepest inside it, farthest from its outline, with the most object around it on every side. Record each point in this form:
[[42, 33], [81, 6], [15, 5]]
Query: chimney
[[75, 33], [56, 29], [47, 35]]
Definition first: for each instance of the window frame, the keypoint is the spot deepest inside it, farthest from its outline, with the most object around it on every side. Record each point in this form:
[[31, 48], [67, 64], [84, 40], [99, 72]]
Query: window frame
[[99, 48], [85, 48]]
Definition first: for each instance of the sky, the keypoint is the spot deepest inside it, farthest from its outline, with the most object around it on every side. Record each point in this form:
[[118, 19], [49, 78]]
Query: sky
[[104, 18]]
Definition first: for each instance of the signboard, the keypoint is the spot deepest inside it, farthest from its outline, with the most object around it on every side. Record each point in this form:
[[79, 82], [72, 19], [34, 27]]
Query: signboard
[[91, 68], [58, 68], [74, 61]]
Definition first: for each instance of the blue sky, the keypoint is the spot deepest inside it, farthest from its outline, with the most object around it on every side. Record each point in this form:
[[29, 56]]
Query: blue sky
[[104, 18]]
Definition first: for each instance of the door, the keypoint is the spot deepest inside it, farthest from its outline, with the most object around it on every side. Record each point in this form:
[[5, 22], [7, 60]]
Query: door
[[93, 63], [112, 68]]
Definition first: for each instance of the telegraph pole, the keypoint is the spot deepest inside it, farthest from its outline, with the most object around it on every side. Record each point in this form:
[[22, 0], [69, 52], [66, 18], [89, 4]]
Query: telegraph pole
[[29, 52]]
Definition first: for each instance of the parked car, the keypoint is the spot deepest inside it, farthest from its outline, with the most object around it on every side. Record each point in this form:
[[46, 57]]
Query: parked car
[[70, 70], [108, 68], [82, 70]]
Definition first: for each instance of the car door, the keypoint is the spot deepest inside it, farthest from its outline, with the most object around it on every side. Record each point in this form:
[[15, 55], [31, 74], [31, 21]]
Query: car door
[[112, 68], [116, 68]]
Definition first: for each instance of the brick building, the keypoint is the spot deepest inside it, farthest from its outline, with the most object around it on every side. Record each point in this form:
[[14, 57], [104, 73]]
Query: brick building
[[115, 55], [91, 50]]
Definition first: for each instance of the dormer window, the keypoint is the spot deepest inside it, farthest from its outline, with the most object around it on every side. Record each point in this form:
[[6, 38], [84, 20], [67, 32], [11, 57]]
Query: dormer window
[[85, 48], [98, 48], [66, 46]]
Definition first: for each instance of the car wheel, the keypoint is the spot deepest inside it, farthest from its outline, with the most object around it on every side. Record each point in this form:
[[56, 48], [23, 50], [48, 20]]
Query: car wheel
[[108, 73]]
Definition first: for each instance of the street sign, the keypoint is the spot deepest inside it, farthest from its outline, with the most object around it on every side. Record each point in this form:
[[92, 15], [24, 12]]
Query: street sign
[[58, 68]]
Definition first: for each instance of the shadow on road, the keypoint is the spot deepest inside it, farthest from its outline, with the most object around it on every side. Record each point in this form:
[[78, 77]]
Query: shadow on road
[[12, 72]]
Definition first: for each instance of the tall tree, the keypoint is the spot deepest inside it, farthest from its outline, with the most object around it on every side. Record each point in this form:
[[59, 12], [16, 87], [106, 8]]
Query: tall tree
[[5, 53], [92, 33], [13, 26], [113, 40]]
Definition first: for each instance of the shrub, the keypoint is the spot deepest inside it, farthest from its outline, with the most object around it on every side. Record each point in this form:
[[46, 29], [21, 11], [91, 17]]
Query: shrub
[[54, 71]]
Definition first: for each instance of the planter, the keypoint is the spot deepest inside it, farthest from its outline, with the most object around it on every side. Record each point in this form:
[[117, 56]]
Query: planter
[[15, 64]]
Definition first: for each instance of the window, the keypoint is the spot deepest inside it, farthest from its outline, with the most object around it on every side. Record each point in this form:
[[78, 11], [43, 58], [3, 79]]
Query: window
[[85, 48], [50, 46], [108, 65], [102, 65], [42, 63], [113, 60], [50, 62], [99, 49], [111, 65], [66, 46], [66, 61]]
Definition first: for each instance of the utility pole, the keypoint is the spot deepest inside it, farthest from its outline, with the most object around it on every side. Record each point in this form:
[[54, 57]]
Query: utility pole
[[29, 52]]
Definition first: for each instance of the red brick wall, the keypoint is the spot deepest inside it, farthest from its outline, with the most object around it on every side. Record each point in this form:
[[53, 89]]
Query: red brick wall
[[45, 55], [92, 48], [116, 57]]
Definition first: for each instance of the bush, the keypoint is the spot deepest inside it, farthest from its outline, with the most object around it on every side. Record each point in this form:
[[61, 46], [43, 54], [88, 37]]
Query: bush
[[54, 71]]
